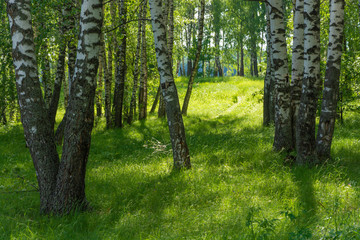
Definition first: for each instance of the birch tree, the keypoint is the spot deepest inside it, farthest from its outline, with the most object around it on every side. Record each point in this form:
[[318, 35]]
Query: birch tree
[[283, 136], [305, 129], [297, 64], [197, 58], [61, 183], [174, 118], [331, 83]]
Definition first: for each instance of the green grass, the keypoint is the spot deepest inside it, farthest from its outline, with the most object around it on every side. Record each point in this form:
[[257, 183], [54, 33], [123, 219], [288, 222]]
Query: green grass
[[238, 188]]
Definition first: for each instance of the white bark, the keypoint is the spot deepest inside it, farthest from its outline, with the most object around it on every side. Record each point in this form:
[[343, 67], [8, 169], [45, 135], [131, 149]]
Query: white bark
[[283, 136], [331, 84], [297, 63], [305, 129], [169, 92]]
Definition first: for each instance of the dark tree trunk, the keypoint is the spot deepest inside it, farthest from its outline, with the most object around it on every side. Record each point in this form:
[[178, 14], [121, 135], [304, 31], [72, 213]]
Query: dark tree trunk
[[255, 63], [237, 63], [144, 73], [156, 100], [266, 106], [183, 67], [99, 89], [217, 55], [161, 110], [242, 71], [120, 68], [113, 44]]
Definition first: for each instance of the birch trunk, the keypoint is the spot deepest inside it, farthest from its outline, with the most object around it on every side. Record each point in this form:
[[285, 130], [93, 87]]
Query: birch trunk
[[283, 136], [297, 64], [197, 58], [305, 129], [175, 122], [70, 184], [331, 84], [38, 133]]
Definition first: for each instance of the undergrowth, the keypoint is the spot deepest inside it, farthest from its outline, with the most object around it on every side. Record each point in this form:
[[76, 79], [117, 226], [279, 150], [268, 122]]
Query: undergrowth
[[238, 188]]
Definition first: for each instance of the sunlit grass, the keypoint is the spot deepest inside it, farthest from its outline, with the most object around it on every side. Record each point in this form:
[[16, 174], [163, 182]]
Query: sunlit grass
[[238, 188]]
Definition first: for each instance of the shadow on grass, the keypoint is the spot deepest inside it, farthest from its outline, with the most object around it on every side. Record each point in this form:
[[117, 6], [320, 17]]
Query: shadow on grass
[[141, 203], [303, 177]]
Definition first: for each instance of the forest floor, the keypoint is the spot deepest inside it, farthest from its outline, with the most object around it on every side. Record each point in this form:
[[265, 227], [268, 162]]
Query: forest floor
[[238, 188]]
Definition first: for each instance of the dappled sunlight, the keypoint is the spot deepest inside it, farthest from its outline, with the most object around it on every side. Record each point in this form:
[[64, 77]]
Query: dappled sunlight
[[238, 186]]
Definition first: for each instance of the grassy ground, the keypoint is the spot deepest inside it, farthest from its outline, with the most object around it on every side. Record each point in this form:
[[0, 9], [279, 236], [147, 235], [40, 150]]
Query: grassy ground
[[238, 187]]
